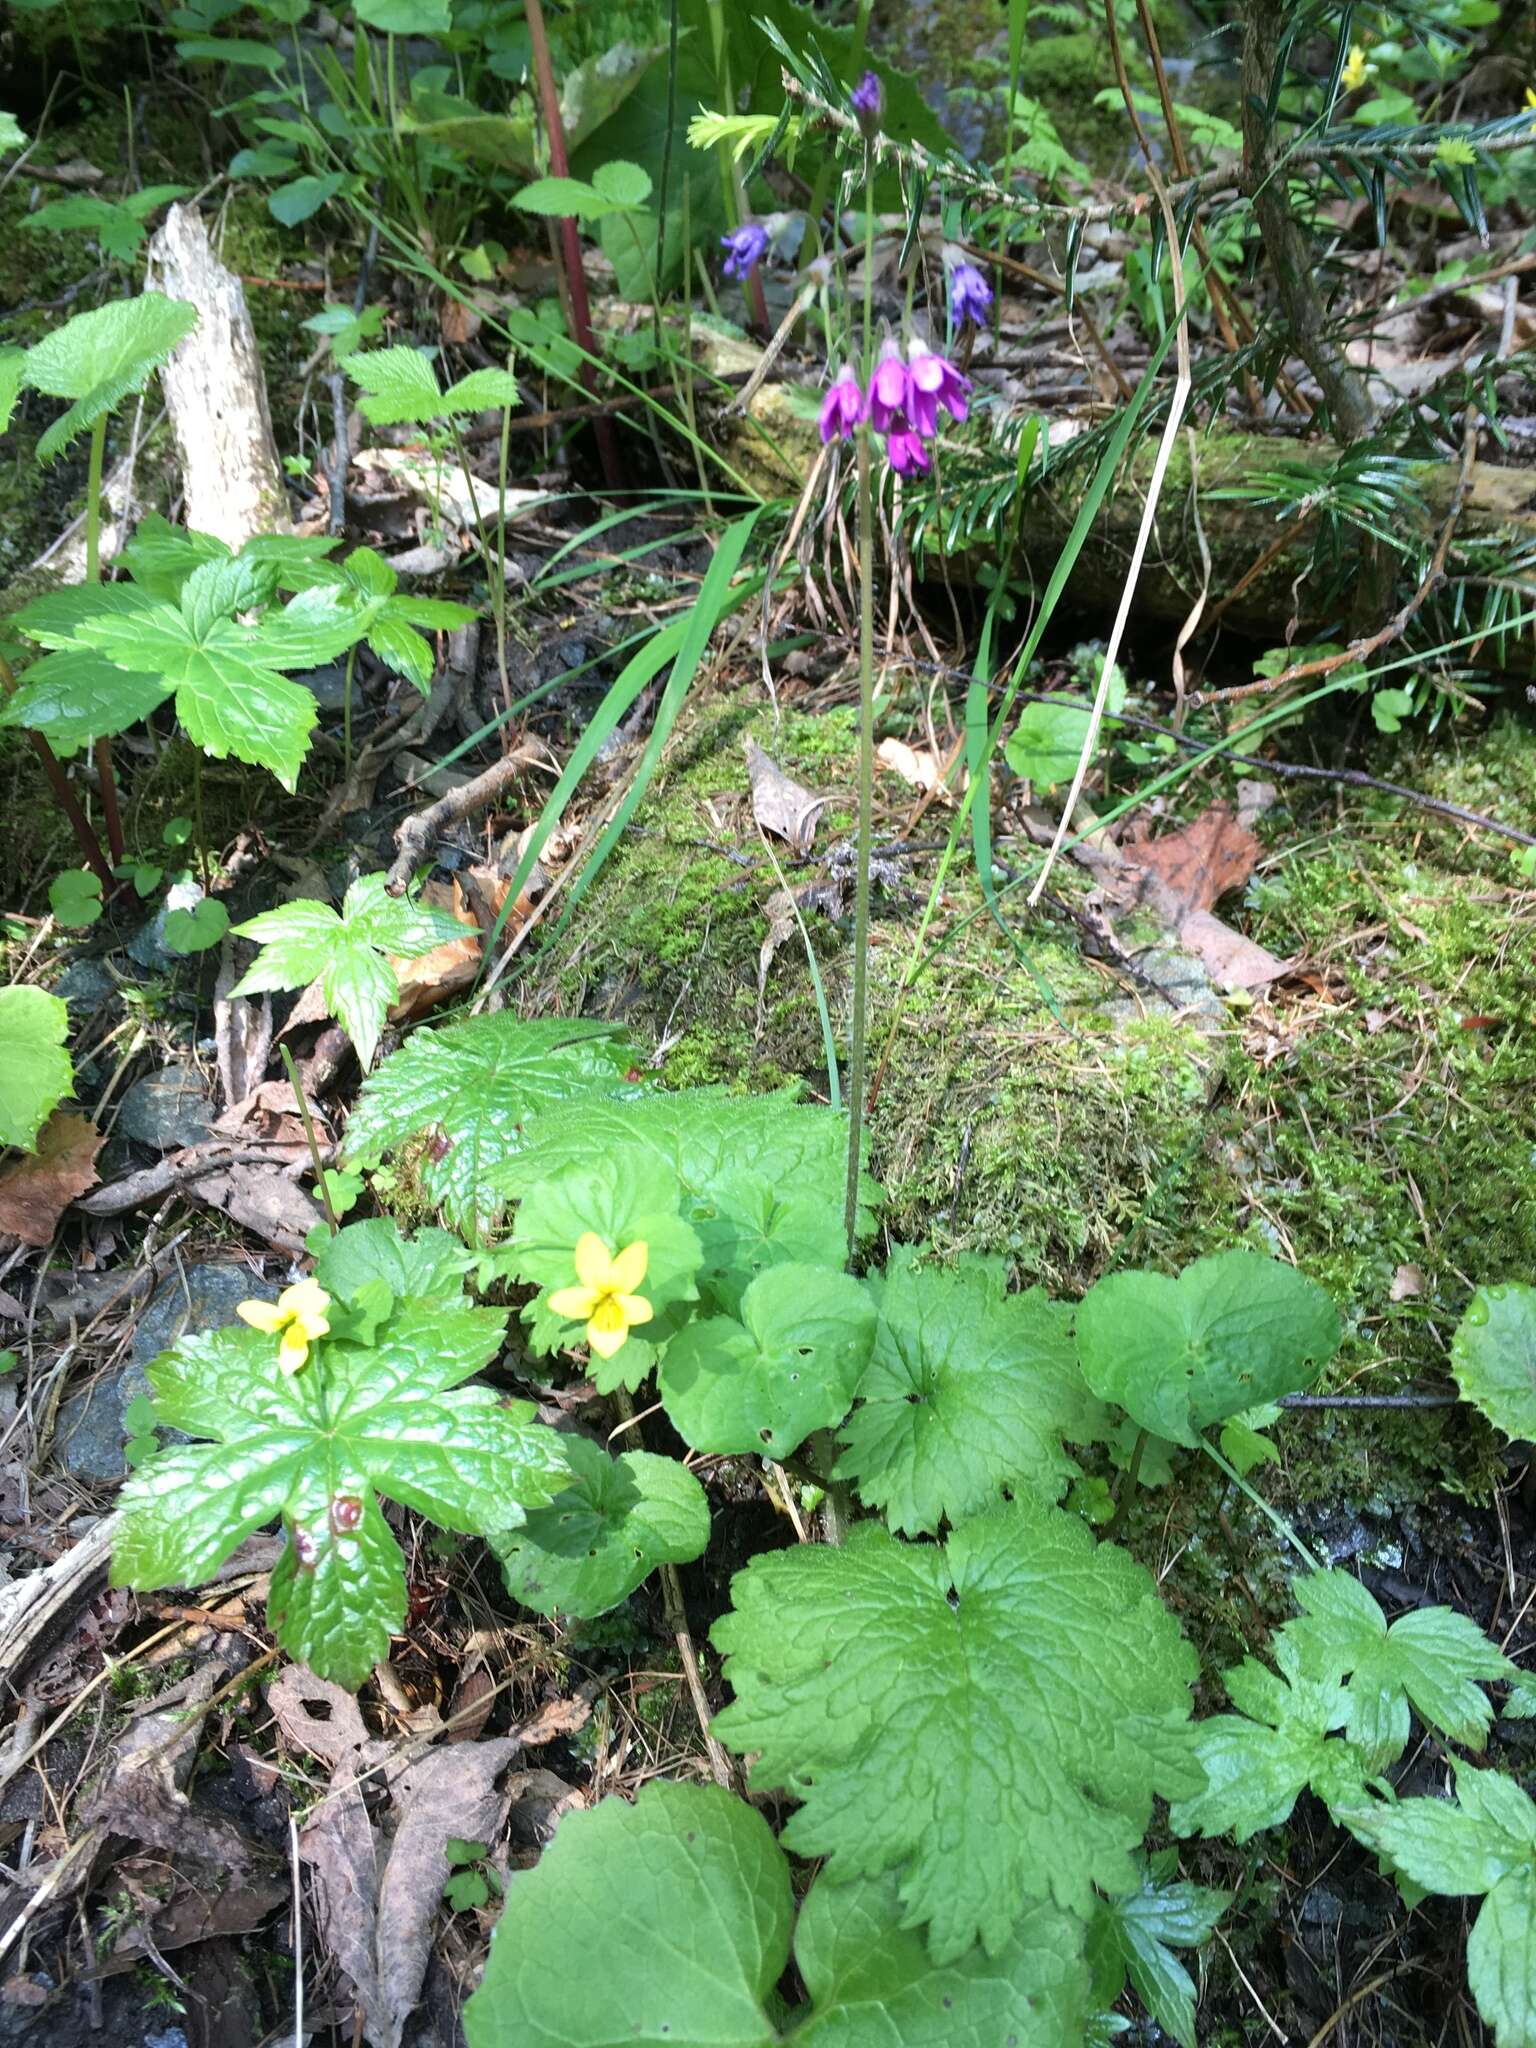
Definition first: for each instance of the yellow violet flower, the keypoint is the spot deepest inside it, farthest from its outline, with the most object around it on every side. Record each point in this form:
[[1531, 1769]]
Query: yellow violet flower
[[1355, 69], [605, 1300], [298, 1314], [1530, 100]]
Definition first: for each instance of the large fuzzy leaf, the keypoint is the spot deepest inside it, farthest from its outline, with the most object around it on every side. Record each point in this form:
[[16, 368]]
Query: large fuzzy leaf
[[969, 1390], [97, 358], [475, 1087], [36, 1072], [686, 1897], [1493, 1356], [951, 1713]]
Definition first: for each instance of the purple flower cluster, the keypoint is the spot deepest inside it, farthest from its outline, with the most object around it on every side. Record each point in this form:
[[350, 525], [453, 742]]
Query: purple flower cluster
[[743, 248], [970, 296], [905, 398], [868, 102]]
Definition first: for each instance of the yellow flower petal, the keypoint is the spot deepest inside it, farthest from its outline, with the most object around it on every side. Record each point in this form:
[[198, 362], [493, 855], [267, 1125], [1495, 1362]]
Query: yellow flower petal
[[592, 1260], [294, 1349], [261, 1315], [634, 1308], [305, 1299], [628, 1269], [606, 1341], [575, 1302]]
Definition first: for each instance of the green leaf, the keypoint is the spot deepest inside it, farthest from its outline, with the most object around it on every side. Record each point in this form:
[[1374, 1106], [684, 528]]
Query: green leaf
[[432, 1262], [399, 385], [626, 1198], [230, 50], [116, 229], [1389, 708], [74, 897], [1431, 1656], [12, 135], [36, 1072], [301, 198], [1136, 1935], [1231, 1331], [306, 941], [563, 199], [474, 1086], [1458, 1847], [1048, 738], [313, 1448], [1501, 1959], [197, 929], [75, 696], [747, 1221], [97, 358], [605, 1533], [466, 1890], [622, 184], [13, 365], [1493, 1356], [969, 1390], [687, 1896], [407, 17], [479, 391], [791, 1365], [949, 1712]]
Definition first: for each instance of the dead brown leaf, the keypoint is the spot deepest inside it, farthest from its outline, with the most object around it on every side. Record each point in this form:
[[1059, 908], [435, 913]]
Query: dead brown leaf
[[264, 1199], [1407, 1282], [1228, 958], [781, 805], [35, 1192], [242, 1027], [431, 978], [829, 894], [919, 766], [1193, 868]]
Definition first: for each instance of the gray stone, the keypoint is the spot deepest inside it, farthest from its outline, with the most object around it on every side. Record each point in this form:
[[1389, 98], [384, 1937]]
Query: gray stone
[[168, 1109], [328, 686], [90, 1433], [85, 987]]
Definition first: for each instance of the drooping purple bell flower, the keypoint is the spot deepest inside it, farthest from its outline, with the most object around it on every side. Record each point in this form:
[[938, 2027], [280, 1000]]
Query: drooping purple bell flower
[[843, 407], [906, 452], [889, 389], [868, 101], [743, 248], [934, 383], [970, 296]]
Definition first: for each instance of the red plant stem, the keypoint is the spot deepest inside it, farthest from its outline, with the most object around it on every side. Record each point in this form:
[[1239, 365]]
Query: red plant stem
[[109, 810], [89, 844], [570, 240]]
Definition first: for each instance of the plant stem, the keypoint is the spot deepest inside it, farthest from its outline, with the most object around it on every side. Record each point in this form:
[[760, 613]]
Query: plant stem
[[58, 781], [101, 753], [346, 715], [1264, 1507], [314, 1143], [197, 819], [836, 1501], [865, 840], [1127, 1487], [570, 240]]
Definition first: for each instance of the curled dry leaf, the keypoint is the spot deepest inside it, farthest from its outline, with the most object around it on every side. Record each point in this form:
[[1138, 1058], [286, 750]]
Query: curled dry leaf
[[35, 1192], [781, 805]]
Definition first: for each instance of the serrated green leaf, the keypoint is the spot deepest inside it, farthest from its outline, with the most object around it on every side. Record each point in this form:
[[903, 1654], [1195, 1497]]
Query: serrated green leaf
[[36, 1072], [1493, 1356], [948, 1712], [431, 1262], [1501, 1959], [13, 364], [313, 1447], [399, 386], [160, 557], [748, 1222], [968, 1391], [466, 1890], [627, 1198], [1135, 1936], [117, 231], [624, 185], [605, 1532], [1432, 1657], [53, 619], [563, 198], [789, 1366], [97, 358], [1455, 1847], [475, 1086], [75, 696], [1231, 1331], [688, 1896], [480, 390]]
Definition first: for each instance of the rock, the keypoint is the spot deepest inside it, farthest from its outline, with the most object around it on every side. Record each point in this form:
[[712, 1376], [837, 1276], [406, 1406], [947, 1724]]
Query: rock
[[328, 686], [86, 987], [168, 1109], [91, 1433], [147, 946]]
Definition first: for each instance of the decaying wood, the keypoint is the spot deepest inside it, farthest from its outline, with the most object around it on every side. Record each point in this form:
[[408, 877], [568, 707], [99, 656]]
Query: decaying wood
[[414, 838], [215, 391]]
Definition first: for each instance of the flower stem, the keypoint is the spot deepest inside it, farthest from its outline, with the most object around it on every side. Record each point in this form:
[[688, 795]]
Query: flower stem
[[314, 1144], [346, 716], [1280, 1523], [866, 835], [102, 751]]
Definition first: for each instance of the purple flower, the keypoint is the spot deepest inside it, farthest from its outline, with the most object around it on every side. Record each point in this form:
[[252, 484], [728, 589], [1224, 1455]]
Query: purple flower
[[970, 296], [843, 407], [933, 382], [743, 248], [888, 389], [905, 451], [868, 99]]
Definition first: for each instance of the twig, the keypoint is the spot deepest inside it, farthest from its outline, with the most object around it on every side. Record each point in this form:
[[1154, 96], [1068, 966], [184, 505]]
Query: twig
[[310, 1139], [1370, 1400], [416, 833], [1372, 643]]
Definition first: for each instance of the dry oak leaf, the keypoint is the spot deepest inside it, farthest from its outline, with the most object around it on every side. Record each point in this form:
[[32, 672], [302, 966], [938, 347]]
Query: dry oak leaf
[[781, 805], [35, 1192], [1193, 868]]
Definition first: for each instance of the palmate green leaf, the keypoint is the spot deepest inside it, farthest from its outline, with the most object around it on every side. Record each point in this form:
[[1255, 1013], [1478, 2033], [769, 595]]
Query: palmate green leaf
[[391, 620], [605, 1532], [1432, 1657], [687, 1898], [399, 386], [790, 1365], [1136, 1935], [75, 696], [747, 1222], [307, 941], [315, 1448], [626, 1198], [1482, 1842], [97, 358], [36, 1072], [230, 696], [1231, 1332], [431, 1262], [705, 1137], [969, 1390], [950, 1713], [474, 1087], [1493, 1356]]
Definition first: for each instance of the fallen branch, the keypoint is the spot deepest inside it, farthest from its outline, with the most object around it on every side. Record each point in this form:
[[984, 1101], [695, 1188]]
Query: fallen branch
[[416, 834]]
